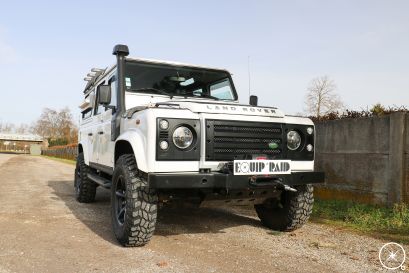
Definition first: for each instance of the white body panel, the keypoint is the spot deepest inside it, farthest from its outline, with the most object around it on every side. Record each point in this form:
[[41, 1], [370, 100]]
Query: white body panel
[[141, 135]]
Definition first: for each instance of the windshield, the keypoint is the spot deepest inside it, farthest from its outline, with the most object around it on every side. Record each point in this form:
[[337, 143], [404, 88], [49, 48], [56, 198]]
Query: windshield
[[178, 81]]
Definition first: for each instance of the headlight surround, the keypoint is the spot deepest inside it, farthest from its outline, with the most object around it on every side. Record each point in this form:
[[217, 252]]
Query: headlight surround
[[182, 137], [293, 140]]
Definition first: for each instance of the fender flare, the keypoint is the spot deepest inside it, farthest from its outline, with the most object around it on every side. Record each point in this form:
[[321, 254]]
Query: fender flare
[[84, 151], [138, 143]]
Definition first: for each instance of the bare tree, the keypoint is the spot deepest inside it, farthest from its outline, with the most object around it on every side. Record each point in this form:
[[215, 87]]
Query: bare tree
[[56, 125], [321, 98], [23, 129], [7, 127]]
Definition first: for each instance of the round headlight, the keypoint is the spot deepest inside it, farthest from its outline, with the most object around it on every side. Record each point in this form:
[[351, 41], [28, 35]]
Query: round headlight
[[182, 137], [164, 124], [293, 140], [164, 145]]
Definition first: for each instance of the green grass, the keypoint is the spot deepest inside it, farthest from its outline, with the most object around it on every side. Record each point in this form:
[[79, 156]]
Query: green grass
[[60, 159], [382, 222]]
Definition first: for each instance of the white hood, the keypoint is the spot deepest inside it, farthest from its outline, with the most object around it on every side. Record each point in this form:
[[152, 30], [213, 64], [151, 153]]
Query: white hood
[[200, 105], [215, 107]]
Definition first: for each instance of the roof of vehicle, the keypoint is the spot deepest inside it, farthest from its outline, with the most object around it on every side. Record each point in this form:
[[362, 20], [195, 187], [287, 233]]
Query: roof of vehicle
[[153, 61], [174, 63]]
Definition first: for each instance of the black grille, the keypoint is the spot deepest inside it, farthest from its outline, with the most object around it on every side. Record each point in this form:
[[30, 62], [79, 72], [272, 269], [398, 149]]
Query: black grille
[[229, 140]]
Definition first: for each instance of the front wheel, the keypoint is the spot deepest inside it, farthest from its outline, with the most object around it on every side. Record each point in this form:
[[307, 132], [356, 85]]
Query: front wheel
[[133, 204], [289, 212]]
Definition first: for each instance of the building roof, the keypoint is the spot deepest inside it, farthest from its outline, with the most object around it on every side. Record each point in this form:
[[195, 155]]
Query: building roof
[[20, 137]]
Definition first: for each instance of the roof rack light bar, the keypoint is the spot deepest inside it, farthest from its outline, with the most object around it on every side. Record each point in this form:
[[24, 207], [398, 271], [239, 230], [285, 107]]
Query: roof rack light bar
[[96, 70], [93, 76]]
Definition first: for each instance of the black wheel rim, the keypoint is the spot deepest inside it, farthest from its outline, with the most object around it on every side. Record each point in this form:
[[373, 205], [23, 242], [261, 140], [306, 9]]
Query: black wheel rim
[[120, 201]]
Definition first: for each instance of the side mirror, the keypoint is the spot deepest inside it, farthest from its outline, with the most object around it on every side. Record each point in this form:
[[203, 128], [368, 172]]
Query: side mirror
[[253, 100], [104, 94]]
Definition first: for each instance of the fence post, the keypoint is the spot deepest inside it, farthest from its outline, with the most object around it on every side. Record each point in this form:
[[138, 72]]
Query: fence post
[[396, 168], [405, 186]]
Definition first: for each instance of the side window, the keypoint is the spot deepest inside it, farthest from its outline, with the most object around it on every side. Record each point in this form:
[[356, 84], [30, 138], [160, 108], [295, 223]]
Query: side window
[[87, 113], [222, 90]]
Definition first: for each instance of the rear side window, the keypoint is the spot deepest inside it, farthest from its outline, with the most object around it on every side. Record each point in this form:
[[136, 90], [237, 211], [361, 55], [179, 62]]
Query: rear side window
[[87, 114], [91, 100]]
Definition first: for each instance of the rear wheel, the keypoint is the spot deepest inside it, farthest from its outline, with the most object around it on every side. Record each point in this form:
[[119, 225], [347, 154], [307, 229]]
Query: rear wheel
[[289, 212], [84, 188], [133, 204]]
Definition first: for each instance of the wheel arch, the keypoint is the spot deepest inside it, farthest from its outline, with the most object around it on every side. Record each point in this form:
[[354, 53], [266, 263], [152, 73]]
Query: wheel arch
[[132, 142], [82, 149]]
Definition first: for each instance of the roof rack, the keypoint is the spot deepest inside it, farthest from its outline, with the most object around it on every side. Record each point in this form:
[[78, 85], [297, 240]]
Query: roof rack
[[93, 76]]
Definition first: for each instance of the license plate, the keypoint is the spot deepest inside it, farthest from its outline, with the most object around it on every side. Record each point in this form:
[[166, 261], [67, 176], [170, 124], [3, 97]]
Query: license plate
[[260, 167]]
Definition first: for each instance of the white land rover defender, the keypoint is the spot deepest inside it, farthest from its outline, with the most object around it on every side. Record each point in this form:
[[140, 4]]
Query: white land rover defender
[[157, 132]]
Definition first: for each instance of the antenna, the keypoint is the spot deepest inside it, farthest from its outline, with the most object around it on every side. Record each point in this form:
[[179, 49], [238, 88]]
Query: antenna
[[248, 70]]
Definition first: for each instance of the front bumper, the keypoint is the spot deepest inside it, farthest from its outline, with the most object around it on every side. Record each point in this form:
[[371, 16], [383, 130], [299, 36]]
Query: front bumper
[[230, 181]]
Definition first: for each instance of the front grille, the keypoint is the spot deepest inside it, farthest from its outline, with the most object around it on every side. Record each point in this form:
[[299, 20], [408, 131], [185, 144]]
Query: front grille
[[229, 140]]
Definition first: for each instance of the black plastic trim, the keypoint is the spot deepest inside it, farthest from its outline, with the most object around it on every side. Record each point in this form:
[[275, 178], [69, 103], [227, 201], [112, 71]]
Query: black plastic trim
[[242, 139], [173, 153], [102, 168], [301, 154], [230, 181]]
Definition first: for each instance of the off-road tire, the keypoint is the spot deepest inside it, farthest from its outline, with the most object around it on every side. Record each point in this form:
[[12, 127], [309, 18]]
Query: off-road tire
[[138, 201], [291, 212], [84, 188]]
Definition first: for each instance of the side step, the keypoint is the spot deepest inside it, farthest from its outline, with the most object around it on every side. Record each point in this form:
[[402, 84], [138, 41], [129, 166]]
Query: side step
[[103, 182]]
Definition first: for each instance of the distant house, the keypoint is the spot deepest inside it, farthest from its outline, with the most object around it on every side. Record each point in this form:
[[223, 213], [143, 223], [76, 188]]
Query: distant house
[[20, 142]]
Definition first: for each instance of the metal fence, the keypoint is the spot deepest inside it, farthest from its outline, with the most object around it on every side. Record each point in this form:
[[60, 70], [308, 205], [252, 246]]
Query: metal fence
[[66, 152]]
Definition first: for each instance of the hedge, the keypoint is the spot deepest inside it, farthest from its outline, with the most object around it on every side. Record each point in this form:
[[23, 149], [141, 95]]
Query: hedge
[[69, 151]]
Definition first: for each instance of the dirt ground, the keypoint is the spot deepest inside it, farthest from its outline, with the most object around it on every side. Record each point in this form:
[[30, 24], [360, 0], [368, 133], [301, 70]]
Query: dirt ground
[[43, 229]]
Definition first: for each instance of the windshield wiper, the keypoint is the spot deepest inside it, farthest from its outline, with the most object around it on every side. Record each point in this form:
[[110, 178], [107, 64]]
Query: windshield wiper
[[151, 89]]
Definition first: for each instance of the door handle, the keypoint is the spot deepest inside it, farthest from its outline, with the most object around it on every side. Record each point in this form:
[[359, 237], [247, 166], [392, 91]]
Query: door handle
[[100, 133], [90, 134]]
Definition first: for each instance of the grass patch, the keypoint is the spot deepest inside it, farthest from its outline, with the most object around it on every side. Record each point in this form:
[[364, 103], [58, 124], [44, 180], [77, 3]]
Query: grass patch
[[382, 222], [72, 162]]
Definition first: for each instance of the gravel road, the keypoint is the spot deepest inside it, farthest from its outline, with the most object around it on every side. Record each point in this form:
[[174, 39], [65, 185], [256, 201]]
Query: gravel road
[[43, 229]]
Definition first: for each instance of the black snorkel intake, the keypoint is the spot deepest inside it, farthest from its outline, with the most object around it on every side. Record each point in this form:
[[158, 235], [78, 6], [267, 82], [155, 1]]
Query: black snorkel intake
[[121, 51]]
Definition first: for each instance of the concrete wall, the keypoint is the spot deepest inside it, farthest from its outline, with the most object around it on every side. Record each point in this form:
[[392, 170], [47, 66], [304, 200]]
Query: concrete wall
[[365, 159]]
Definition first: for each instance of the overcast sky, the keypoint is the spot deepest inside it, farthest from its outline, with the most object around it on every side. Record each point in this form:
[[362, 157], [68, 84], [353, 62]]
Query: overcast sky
[[47, 47]]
